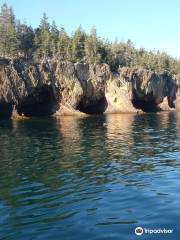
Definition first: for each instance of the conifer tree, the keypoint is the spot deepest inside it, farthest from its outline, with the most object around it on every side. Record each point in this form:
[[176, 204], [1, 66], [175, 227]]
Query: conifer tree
[[43, 39], [25, 36], [9, 44], [21, 40], [78, 45], [54, 39], [91, 47], [64, 45]]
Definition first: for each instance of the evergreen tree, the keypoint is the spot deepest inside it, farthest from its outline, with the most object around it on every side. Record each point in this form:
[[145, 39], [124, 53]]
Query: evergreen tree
[[43, 39], [64, 46], [91, 47], [25, 36], [164, 62], [9, 44], [17, 40], [78, 45], [104, 52], [123, 54], [54, 39]]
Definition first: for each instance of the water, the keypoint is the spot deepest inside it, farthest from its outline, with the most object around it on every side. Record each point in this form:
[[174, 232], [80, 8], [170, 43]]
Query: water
[[78, 178]]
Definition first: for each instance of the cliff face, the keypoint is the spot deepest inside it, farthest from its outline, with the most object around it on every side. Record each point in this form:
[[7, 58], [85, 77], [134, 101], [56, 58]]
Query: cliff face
[[52, 87], [27, 89]]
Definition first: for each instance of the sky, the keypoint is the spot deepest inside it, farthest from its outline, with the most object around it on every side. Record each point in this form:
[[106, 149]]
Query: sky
[[152, 24]]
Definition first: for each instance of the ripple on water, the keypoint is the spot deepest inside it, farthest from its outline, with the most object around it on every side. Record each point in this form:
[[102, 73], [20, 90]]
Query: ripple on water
[[75, 178]]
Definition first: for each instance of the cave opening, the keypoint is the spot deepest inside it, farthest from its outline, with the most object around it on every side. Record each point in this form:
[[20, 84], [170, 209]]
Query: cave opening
[[41, 102], [6, 110], [93, 107], [147, 104]]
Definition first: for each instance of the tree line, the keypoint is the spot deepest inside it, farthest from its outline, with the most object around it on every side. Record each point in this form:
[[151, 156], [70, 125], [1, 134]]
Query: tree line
[[17, 39]]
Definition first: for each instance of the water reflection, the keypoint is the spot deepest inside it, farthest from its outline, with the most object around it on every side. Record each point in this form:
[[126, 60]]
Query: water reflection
[[88, 173]]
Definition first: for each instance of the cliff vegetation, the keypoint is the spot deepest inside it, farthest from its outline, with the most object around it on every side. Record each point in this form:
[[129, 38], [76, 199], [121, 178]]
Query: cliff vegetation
[[17, 39], [44, 72]]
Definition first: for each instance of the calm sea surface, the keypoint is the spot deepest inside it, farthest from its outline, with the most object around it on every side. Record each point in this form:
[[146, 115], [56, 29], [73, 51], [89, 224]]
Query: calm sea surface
[[90, 178]]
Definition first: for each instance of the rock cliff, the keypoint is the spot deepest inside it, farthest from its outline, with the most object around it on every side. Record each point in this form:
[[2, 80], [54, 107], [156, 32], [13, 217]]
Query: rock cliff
[[52, 87]]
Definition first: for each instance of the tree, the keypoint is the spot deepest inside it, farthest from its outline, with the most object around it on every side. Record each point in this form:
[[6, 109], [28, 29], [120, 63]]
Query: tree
[[123, 54], [47, 41], [9, 44], [91, 47], [163, 62], [78, 42], [43, 39], [64, 45], [54, 38], [25, 36], [104, 52]]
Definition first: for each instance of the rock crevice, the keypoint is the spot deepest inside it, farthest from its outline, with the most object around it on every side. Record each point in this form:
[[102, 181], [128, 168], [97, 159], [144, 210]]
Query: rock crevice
[[54, 87]]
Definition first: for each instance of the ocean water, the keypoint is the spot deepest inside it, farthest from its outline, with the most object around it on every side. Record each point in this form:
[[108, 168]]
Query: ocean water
[[90, 178]]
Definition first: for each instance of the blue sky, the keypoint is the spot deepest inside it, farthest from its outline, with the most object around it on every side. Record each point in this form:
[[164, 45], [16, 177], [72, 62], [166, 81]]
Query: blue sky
[[153, 24]]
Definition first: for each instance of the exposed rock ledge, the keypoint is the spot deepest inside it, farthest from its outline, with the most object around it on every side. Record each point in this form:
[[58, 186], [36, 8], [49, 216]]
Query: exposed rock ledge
[[52, 87]]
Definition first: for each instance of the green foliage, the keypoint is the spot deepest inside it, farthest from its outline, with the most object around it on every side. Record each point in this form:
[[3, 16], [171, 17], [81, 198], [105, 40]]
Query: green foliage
[[64, 46], [9, 44], [91, 46], [25, 36], [123, 54], [43, 39], [54, 38], [78, 45], [96, 49], [47, 41]]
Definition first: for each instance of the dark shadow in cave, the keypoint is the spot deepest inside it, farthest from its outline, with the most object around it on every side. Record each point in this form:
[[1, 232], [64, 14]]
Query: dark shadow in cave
[[41, 102], [5, 110], [93, 107], [146, 105]]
